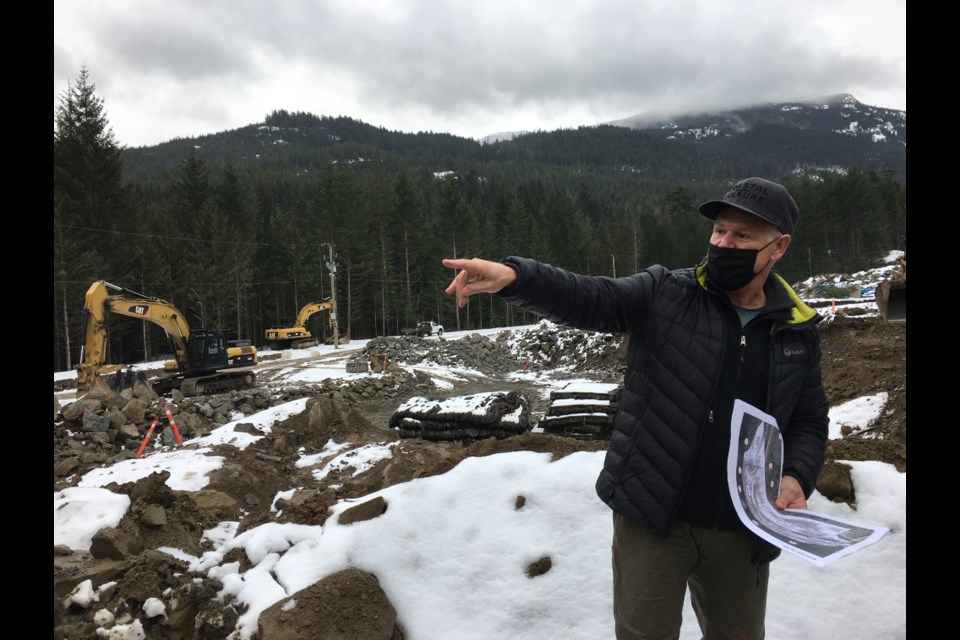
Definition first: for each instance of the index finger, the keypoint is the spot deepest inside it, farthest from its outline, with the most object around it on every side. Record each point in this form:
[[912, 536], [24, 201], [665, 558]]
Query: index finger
[[456, 263]]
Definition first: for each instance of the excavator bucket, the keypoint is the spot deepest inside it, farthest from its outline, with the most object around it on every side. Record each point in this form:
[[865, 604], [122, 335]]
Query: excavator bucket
[[892, 300], [125, 379]]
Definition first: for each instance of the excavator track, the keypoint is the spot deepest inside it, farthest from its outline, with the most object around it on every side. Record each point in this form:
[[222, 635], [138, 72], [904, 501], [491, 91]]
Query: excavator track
[[217, 382]]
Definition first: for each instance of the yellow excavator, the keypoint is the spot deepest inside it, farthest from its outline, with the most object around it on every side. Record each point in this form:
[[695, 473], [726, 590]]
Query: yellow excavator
[[204, 363], [295, 335]]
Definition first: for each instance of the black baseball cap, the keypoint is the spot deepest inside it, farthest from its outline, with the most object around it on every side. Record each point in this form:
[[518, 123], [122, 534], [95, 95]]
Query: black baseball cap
[[764, 199]]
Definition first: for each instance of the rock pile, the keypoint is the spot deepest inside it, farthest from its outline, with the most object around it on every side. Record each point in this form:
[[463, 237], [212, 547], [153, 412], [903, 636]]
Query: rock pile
[[546, 346], [473, 351], [106, 426], [394, 383], [553, 346]]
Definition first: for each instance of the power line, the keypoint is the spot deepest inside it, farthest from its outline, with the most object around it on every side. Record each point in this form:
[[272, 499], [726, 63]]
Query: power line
[[168, 237], [234, 283]]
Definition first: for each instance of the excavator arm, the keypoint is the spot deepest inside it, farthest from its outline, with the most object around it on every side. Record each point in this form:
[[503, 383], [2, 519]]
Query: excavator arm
[[310, 309], [104, 298]]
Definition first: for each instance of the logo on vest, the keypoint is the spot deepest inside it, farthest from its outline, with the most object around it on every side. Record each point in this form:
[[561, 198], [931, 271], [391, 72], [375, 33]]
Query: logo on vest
[[794, 352]]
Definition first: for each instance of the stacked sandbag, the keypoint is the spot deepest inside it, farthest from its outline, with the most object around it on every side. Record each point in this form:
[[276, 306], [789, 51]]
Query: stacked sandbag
[[496, 414], [582, 410]]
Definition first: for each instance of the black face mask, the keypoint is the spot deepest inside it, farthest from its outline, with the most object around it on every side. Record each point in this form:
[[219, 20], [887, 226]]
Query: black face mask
[[730, 269]]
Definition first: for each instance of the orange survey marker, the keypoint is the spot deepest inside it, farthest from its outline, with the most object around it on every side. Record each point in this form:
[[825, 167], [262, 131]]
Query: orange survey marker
[[173, 426], [143, 445], [378, 360]]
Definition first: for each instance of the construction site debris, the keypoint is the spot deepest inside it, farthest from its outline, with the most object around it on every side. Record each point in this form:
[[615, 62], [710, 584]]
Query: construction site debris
[[463, 418]]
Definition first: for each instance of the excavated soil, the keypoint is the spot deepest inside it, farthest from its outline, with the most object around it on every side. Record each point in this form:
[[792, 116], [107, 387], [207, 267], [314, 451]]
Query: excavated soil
[[866, 357]]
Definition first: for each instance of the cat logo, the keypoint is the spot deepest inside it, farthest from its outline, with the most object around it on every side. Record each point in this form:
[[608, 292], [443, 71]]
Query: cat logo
[[139, 309]]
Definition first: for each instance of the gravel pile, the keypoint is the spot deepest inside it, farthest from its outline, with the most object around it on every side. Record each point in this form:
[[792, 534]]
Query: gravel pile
[[546, 346]]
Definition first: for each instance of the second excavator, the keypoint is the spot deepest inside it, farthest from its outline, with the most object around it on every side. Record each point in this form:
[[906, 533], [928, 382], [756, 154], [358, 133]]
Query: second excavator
[[295, 335]]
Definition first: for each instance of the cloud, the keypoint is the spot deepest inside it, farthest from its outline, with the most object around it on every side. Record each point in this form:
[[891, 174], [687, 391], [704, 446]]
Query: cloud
[[432, 65]]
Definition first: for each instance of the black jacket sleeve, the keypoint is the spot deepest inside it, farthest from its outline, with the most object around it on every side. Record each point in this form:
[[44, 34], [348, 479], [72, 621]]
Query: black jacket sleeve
[[594, 303]]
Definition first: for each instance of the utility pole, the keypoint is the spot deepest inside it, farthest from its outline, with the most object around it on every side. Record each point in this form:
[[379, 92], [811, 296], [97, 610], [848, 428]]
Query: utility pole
[[456, 305], [332, 267], [613, 262]]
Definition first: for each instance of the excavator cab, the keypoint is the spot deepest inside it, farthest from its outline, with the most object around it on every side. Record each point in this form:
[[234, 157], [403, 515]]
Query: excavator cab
[[207, 350]]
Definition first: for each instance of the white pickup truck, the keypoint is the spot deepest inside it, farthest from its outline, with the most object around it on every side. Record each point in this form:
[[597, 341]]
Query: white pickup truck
[[429, 328]]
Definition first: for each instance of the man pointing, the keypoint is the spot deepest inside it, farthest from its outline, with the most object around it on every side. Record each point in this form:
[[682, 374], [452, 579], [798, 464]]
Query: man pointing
[[700, 338]]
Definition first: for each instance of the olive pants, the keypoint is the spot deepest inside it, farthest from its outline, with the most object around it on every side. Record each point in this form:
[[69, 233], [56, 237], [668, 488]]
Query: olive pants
[[651, 575]]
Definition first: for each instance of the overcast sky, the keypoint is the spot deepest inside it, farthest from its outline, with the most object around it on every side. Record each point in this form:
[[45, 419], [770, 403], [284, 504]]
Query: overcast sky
[[176, 68]]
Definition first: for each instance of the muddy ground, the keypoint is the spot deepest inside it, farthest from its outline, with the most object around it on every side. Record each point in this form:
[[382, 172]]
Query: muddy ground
[[861, 356]]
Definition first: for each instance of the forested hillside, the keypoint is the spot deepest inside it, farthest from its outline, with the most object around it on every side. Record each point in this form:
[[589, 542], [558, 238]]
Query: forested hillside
[[236, 228]]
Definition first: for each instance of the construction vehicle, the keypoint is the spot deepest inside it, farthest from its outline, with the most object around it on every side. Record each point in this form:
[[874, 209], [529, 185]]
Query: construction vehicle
[[892, 294], [295, 335], [204, 362]]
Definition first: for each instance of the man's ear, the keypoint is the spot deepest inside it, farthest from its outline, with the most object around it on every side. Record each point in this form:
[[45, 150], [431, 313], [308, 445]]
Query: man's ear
[[782, 243]]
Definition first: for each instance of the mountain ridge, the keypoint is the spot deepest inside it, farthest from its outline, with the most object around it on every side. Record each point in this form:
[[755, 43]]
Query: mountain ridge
[[834, 134]]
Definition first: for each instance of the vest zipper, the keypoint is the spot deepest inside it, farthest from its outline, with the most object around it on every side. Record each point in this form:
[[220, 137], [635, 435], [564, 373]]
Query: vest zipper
[[736, 386], [714, 384]]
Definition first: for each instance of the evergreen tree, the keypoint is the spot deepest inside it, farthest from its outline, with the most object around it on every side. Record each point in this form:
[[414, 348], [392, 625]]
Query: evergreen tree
[[88, 203], [407, 227], [232, 199], [458, 237], [685, 229], [87, 160], [186, 238]]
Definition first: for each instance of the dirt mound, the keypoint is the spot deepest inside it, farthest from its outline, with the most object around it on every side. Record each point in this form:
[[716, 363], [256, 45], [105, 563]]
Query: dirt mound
[[865, 357], [162, 517], [150, 591], [540, 442]]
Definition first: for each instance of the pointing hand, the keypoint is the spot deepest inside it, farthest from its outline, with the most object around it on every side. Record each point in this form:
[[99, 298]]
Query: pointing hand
[[478, 276]]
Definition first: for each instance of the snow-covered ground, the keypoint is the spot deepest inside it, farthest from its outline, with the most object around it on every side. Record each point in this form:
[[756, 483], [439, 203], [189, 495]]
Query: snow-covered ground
[[452, 549]]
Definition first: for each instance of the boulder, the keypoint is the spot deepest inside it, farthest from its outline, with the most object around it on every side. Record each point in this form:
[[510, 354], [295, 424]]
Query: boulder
[[114, 544], [135, 410], [344, 606], [365, 511]]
